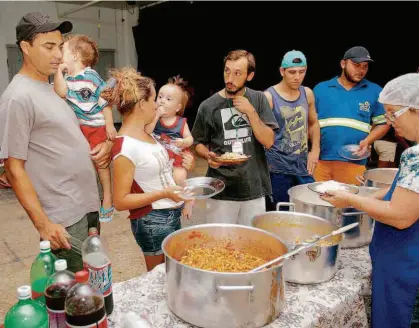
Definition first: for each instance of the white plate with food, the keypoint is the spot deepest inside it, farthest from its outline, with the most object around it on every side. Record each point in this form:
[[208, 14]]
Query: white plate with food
[[231, 158], [331, 185]]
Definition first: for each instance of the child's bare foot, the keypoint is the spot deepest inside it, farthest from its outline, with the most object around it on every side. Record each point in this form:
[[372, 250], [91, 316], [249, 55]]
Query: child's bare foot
[[3, 181], [187, 209]]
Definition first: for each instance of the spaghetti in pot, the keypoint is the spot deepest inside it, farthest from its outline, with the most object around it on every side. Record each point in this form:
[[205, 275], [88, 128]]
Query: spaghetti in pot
[[220, 258]]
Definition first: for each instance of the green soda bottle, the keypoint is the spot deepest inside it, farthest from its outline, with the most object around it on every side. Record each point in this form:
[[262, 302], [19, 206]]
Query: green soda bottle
[[26, 313], [42, 268]]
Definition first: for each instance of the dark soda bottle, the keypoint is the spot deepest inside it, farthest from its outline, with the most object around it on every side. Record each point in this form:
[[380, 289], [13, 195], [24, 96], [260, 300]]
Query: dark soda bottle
[[85, 307], [58, 286], [96, 261]]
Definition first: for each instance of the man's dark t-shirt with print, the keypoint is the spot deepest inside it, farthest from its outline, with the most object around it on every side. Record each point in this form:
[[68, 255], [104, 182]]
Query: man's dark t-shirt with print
[[217, 126]]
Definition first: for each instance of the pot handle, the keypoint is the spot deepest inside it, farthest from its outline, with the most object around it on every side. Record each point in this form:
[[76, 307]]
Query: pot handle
[[360, 179], [353, 213], [290, 205], [235, 288], [248, 288]]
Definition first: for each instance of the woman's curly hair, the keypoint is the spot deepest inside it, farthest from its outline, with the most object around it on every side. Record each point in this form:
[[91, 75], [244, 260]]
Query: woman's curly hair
[[182, 84], [126, 87]]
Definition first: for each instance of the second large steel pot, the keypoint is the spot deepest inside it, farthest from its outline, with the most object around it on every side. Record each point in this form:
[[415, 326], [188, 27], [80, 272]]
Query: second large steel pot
[[309, 202], [315, 265], [379, 178], [220, 299]]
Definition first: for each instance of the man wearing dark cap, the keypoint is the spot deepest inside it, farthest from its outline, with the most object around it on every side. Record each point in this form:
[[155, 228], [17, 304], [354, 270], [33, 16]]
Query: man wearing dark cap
[[48, 160], [349, 113]]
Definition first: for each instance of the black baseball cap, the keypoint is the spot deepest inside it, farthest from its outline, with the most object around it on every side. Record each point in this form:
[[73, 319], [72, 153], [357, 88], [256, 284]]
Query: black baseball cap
[[33, 23], [358, 55]]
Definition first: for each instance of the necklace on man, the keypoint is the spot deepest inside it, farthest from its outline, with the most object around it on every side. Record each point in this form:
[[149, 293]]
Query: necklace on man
[[237, 145]]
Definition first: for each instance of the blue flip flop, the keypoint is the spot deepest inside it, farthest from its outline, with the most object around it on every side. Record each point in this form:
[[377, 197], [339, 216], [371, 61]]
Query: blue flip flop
[[106, 215]]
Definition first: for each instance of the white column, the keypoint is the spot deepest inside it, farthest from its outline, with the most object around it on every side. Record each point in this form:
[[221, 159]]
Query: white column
[[126, 45]]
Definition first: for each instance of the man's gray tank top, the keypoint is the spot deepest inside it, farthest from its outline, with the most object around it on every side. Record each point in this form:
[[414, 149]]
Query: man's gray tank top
[[289, 153]]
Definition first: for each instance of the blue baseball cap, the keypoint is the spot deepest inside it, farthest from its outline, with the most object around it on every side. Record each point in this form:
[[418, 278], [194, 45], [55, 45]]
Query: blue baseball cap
[[294, 58]]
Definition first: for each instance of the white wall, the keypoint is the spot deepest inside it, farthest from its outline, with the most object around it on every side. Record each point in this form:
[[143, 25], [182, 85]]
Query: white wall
[[114, 34]]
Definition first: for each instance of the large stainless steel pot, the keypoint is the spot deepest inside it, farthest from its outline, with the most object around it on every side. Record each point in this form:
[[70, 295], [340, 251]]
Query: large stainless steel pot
[[309, 202], [219, 299], [379, 178], [315, 265]]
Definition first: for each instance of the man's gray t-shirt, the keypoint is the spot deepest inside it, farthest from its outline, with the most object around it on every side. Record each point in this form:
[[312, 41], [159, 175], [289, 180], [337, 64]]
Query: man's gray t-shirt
[[217, 126], [39, 127]]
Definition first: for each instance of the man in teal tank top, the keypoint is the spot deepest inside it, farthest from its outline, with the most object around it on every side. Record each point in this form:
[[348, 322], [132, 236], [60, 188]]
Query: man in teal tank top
[[290, 162]]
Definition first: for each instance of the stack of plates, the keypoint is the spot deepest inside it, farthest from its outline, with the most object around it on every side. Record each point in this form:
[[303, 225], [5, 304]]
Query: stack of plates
[[318, 187]]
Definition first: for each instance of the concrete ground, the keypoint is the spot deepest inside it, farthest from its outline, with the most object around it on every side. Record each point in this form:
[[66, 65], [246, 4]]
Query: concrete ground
[[19, 244]]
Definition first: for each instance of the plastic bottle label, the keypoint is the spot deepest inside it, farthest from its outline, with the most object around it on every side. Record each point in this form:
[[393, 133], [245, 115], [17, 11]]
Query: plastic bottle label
[[36, 295], [38, 287], [56, 318], [101, 278], [103, 323]]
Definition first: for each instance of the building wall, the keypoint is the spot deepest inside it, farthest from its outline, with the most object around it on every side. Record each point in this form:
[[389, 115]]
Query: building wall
[[113, 33]]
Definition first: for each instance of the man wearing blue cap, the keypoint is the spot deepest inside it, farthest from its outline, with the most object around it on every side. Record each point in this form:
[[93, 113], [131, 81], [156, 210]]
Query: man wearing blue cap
[[289, 161], [349, 113]]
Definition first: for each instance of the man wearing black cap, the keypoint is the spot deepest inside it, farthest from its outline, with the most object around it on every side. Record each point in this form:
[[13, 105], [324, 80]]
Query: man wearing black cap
[[48, 160], [349, 113]]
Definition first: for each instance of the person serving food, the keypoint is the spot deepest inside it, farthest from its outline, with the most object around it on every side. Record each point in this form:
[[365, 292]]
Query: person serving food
[[394, 248]]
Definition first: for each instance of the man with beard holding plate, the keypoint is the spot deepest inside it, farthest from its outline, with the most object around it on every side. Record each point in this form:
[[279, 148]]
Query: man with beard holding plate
[[349, 113], [238, 120]]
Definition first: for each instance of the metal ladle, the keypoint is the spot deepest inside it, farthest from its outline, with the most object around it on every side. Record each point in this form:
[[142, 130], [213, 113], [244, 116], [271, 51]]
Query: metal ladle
[[305, 245]]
